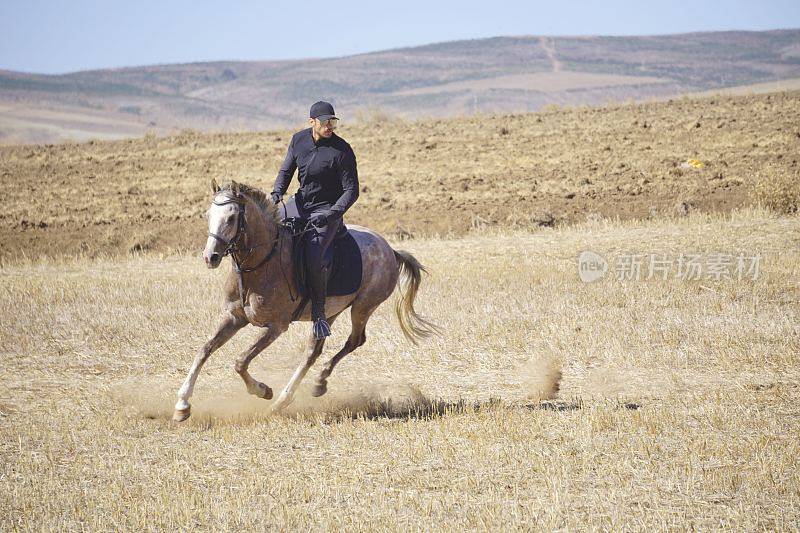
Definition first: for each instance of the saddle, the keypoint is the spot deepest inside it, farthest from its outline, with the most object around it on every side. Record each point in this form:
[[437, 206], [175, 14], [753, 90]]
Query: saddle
[[343, 259]]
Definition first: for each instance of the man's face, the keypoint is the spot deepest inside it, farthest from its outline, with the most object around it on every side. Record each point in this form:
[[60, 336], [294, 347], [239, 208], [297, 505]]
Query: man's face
[[323, 128]]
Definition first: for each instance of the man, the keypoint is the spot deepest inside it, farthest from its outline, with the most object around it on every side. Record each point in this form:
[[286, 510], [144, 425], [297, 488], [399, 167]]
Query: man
[[328, 187]]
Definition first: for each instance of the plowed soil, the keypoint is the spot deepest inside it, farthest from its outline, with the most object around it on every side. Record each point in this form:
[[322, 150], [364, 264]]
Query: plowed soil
[[434, 177]]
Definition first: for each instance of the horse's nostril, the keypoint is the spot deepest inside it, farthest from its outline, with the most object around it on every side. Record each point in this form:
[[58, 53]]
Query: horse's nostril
[[214, 257]]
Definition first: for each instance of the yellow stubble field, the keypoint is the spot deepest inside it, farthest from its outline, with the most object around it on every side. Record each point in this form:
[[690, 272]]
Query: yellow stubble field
[[677, 401]]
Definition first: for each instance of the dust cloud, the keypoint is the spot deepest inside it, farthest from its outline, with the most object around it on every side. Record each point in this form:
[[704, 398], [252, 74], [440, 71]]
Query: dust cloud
[[232, 403], [541, 376]]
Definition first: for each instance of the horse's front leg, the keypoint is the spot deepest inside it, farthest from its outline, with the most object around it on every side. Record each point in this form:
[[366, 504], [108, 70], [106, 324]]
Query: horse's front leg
[[254, 386], [226, 329], [313, 350]]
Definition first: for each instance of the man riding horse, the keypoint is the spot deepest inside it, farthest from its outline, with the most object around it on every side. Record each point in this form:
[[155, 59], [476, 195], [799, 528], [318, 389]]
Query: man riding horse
[[242, 223], [328, 187]]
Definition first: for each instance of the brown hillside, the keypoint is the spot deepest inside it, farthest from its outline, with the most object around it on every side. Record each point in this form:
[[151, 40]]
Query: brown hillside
[[419, 178], [482, 76]]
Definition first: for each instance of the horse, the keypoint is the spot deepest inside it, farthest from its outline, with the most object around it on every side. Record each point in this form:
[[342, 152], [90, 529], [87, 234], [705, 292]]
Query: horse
[[260, 290]]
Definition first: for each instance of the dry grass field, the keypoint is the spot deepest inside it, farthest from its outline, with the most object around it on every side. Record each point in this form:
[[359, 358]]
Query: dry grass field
[[677, 409], [547, 403]]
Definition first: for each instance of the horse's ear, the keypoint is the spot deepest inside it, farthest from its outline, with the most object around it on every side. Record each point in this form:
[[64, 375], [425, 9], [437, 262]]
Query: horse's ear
[[214, 186], [235, 187]]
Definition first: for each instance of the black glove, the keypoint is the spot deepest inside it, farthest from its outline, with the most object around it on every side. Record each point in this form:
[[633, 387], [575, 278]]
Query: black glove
[[318, 220], [276, 198]]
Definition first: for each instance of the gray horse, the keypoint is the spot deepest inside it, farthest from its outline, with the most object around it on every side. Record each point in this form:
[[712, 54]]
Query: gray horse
[[244, 223]]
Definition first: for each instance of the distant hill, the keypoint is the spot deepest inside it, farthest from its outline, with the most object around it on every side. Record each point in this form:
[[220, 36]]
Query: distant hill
[[501, 74]]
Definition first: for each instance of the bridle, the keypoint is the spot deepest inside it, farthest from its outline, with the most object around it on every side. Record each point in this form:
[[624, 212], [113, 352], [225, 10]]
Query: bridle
[[234, 247]]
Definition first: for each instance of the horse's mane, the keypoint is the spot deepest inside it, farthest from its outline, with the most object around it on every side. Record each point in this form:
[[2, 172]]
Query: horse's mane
[[257, 195]]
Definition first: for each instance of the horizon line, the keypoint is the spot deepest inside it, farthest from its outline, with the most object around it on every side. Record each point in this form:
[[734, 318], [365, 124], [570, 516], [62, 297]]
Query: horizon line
[[383, 50]]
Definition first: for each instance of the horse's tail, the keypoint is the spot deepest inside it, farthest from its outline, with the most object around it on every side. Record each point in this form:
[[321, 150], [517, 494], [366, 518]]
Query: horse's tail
[[414, 326]]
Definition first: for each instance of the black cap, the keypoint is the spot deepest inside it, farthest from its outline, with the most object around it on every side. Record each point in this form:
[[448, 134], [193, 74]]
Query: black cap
[[322, 111]]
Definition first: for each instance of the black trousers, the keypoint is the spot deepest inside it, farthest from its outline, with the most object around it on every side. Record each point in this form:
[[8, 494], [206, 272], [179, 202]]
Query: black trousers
[[318, 252]]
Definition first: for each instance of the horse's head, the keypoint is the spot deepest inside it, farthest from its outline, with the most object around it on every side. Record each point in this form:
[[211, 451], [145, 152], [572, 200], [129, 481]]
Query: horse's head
[[242, 222], [225, 223]]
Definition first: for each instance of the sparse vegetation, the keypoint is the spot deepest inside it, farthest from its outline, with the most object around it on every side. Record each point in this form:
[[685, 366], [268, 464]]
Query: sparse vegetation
[[779, 192], [374, 115]]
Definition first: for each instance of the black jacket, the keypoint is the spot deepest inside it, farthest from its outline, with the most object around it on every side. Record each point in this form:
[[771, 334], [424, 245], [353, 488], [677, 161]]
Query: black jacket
[[327, 173]]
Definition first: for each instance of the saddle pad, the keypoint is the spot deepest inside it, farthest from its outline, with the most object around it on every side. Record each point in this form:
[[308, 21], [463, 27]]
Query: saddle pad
[[346, 267]]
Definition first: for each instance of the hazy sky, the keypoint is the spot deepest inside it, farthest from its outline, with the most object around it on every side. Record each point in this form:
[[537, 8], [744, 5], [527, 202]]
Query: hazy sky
[[64, 36]]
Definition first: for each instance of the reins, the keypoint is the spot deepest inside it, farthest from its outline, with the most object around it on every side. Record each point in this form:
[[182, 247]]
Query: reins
[[232, 246]]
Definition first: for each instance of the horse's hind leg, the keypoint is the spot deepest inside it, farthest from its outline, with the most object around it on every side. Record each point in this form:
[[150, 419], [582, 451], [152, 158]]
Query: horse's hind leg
[[225, 330], [254, 386], [313, 349], [358, 336]]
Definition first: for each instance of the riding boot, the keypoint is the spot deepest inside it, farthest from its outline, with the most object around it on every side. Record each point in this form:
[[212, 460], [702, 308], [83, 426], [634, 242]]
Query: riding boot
[[319, 285]]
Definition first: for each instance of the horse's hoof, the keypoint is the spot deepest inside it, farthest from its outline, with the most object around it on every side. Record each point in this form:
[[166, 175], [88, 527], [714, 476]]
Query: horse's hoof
[[280, 404], [266, 392], [181, 414], [319, 389]]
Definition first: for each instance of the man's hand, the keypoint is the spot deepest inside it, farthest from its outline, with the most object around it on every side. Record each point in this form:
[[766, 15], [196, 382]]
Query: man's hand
[[318, 220], [275, 197]]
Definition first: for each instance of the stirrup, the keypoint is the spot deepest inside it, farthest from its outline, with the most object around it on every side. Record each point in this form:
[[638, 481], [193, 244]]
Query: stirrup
[[321, 329]]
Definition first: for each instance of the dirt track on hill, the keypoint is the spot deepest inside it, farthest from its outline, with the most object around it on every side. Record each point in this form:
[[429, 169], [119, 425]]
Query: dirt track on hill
[[423, 178]]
